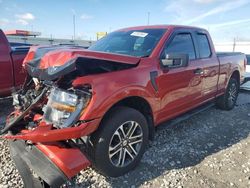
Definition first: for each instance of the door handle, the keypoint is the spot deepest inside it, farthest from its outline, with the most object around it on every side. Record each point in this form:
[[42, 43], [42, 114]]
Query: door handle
[[198, 71]]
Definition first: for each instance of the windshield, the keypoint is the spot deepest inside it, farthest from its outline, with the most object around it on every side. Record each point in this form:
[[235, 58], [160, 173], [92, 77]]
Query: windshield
[[139, 43]]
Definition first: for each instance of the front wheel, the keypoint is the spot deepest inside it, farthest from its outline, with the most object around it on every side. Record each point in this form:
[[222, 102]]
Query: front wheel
[[228, 100], [120, 142]]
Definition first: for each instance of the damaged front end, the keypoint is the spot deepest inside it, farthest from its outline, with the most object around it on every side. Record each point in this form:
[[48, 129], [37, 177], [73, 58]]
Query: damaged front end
[[43, 130], [46, 127], [46, 115]]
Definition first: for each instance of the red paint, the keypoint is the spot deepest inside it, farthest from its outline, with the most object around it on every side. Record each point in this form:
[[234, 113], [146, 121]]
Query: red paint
[[69, 159], [179, 89], [61, 56], [12, 75], [45, 133]]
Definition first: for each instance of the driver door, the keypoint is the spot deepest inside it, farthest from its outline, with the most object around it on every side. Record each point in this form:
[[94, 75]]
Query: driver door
[[180, 86]]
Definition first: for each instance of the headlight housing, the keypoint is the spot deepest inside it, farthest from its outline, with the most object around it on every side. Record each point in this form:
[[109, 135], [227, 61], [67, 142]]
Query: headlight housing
[[64, 108]]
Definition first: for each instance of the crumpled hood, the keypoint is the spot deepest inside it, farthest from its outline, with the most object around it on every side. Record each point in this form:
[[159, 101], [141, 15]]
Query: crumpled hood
[[51, 62]]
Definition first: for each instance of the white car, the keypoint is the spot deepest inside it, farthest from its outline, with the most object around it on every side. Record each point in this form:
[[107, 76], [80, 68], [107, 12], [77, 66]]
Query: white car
[[246, 85], [248, 66]]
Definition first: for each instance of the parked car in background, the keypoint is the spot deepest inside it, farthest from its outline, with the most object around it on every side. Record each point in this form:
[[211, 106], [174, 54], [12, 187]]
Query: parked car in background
[[248, 66], [12, 54], [16, 44], [11, 58], [246, 84], [101, 105]]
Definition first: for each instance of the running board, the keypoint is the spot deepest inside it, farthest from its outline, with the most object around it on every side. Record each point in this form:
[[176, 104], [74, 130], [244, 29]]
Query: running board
[[185, 116]]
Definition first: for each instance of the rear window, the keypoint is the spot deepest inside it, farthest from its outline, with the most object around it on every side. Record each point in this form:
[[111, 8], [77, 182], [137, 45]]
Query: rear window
[[204, 47]]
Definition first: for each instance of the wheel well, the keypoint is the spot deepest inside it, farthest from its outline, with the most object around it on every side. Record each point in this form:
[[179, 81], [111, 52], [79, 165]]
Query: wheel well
[[236, 75], [140, 105]]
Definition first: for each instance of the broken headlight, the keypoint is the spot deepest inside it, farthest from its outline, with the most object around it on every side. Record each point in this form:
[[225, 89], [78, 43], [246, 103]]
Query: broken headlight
[[64, 108]]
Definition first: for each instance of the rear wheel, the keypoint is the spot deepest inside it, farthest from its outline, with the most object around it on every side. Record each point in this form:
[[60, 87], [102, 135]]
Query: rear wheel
[[228, 100], [120, 142]]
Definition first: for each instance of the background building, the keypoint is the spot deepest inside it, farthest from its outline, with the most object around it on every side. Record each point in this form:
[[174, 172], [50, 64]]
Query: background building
[[33, 38]]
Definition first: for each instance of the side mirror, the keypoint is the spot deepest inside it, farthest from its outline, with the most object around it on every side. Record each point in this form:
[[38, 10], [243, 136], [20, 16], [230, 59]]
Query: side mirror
[[175, 60]]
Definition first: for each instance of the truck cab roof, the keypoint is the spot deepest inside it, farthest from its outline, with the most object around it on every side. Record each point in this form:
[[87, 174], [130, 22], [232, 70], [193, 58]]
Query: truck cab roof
[[170, 27]]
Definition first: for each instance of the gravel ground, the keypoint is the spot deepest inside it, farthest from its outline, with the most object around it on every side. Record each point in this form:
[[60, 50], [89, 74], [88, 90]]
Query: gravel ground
[[211, 149]]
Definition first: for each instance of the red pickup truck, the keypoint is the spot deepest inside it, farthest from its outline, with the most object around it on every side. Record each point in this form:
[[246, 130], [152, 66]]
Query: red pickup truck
[[11, 58], [101, 105]]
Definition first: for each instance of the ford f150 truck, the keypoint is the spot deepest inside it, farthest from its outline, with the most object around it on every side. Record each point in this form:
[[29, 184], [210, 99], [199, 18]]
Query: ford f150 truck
[[100, 106], [11, 73]]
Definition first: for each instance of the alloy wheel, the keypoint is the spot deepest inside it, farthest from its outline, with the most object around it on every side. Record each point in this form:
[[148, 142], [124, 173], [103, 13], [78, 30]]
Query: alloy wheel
[[125, 144], [232, 94]]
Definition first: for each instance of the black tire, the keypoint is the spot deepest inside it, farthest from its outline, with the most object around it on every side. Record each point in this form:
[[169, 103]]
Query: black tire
[[104, 138], [228, 100]]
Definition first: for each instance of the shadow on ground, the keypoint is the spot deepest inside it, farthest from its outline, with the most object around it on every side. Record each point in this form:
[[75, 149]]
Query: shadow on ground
[[187, 144]]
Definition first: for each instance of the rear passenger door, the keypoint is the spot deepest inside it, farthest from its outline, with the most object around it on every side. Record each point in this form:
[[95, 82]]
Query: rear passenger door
[[180, 88], [209, 64]]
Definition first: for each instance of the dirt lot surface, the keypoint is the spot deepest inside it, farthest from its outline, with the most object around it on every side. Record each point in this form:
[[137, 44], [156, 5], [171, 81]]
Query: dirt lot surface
[[211, 149]]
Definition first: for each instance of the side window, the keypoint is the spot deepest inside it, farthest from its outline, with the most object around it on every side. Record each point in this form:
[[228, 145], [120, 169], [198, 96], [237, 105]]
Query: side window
[[204, 47], [183, 44]]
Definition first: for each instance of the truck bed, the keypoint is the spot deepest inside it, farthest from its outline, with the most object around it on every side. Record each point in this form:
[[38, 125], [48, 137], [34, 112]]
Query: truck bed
[[223, 54], [232, 60]]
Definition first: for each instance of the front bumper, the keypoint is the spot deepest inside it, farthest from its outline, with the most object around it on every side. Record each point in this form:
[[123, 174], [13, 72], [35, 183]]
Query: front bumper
[[55, 162], [45, 133]]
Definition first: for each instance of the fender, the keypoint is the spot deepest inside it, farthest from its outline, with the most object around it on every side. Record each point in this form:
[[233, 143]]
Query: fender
[[105, 96], [95, 110], [231, 74]]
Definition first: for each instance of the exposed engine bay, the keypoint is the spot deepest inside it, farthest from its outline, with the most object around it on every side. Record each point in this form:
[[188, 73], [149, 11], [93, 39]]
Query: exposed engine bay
[[43, 100]]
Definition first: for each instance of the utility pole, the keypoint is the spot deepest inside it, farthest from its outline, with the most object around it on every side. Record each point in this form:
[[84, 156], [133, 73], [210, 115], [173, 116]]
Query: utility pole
[[74, 26], [234, 44], [51, 39], [148, 17]]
